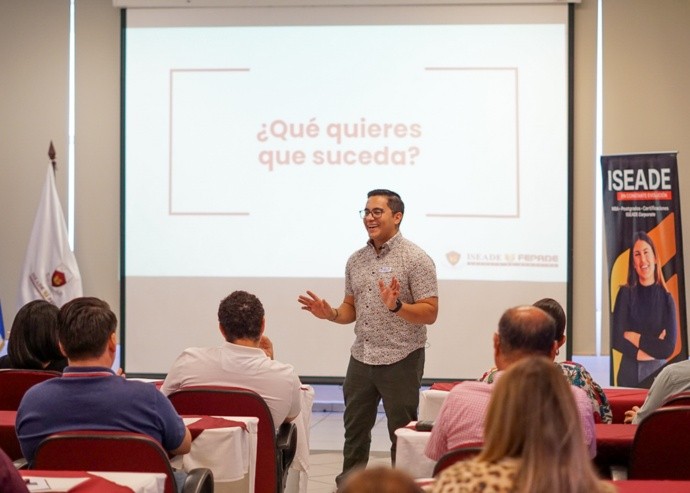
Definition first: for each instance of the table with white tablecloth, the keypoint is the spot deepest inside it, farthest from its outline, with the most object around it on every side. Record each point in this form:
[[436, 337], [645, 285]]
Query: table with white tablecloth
[[409, 455], [94, 482], [228, 449], [298, 474]]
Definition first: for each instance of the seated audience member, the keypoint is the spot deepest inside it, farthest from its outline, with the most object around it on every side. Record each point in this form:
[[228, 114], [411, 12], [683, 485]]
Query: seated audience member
[[33, 341], [90, 395], [245, 359], [531, 445], [380, 479], [10, 479], [522, 331], [672, 379], [575, 373]]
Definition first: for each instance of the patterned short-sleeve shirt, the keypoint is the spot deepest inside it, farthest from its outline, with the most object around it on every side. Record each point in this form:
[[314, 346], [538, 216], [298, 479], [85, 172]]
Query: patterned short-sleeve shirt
[[382, 337]]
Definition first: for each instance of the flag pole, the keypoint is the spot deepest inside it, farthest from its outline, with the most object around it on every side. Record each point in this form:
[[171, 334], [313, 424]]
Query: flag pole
[[51, 155]]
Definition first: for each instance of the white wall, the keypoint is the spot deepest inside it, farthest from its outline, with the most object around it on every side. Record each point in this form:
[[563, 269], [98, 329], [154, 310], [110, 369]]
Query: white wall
[[97, 148], [583, 317], [34, 54], [646, 56]]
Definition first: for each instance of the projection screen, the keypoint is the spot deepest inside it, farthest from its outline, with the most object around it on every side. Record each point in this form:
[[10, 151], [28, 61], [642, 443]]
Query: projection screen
[[251, 137]]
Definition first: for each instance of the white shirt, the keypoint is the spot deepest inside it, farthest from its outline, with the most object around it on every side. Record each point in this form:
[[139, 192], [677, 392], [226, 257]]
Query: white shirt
[[673, 378], [233, 365]]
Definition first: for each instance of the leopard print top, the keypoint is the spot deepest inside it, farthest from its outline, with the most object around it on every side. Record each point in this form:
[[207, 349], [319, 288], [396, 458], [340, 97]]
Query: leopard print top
[[472, 476]]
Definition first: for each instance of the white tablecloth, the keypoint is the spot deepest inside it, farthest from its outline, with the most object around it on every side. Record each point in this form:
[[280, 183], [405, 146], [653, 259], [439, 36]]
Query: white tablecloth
[[410, 452], [138, 482], [430, 402], [298, 475], [229, 452]]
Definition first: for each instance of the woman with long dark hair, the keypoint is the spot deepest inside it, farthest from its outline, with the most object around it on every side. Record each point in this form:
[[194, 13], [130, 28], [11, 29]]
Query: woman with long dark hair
[[33, 341]]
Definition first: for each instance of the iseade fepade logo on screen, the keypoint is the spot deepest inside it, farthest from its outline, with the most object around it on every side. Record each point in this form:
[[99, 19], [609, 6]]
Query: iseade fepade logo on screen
[[509, 259]]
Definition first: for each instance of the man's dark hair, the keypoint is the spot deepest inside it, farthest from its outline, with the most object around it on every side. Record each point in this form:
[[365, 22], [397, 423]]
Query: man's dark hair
[[84, 327], [527, 329], [394, 201], [240, 314], [553, 308]]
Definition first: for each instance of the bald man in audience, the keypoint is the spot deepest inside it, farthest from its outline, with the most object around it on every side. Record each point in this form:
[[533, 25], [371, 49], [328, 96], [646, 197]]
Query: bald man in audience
[[575, 373], [522, 331]]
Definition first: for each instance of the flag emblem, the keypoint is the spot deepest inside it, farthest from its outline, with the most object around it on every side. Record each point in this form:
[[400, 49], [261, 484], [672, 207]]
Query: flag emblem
[[58, 279]]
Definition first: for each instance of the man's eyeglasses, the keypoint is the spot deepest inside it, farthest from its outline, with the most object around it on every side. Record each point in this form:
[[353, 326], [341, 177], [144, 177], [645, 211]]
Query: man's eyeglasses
[[375, 213]]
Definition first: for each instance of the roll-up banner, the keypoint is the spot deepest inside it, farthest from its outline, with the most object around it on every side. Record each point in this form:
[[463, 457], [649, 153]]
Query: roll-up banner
[[644, 248]]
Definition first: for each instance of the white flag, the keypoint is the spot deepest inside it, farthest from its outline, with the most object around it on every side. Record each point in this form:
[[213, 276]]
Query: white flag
[[50, 269]]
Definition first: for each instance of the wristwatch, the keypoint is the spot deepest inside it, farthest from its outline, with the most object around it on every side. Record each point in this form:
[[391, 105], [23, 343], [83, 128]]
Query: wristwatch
[[398, 306]]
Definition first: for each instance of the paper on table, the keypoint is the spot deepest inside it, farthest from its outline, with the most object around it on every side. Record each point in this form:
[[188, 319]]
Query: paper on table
[[36, 484], [56, 484], [140, 482]]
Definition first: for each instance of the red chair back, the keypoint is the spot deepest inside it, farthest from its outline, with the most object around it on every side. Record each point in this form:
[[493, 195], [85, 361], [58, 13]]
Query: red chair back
[[235, 401], [104, 451], [15, 383], [661, 447], [679, 399], [456, 455]]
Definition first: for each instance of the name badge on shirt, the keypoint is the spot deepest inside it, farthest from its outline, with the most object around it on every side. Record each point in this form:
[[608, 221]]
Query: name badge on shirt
[[385, 270]]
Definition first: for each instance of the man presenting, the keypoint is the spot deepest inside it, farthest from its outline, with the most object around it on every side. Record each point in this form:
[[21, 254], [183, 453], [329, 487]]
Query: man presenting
[[391, 292]]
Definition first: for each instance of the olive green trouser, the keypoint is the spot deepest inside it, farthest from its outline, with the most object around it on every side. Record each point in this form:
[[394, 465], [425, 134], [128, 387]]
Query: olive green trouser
[[364, 387]]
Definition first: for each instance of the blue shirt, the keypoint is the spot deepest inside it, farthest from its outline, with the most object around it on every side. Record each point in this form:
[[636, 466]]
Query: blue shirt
[[94, 398]]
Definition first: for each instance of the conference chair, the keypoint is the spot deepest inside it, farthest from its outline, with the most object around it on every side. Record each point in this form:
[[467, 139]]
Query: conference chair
[[661, 446], [679, 399], [274, 452], [456, 455], [15, 383], [119, 451]]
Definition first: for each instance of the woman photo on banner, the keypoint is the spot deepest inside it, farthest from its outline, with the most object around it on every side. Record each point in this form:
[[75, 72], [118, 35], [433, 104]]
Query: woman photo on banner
[[644, 327]]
